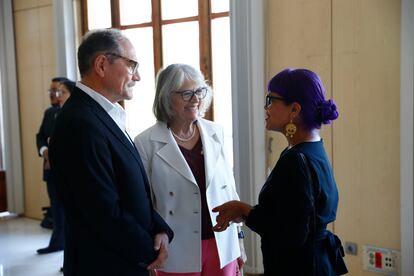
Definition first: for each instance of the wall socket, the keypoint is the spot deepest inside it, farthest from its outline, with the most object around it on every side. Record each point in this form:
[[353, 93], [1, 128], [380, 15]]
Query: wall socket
[[351, 248], [381, 260]]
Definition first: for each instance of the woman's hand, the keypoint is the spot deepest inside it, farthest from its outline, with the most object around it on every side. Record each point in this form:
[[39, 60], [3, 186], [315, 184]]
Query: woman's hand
[[232, 211]]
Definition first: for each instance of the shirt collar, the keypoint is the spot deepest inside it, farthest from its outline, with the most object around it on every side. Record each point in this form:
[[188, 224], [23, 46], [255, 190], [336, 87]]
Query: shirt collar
[[101, 100], [114, 110]]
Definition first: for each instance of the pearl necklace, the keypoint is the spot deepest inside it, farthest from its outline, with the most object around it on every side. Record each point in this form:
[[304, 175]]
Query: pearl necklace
[[183, 139]]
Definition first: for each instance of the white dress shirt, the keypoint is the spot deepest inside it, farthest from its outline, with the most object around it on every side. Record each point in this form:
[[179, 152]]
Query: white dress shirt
[[114, 110]]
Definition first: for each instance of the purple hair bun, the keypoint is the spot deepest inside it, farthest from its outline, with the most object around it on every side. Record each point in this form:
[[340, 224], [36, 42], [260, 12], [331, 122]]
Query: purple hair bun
[[328, 111]]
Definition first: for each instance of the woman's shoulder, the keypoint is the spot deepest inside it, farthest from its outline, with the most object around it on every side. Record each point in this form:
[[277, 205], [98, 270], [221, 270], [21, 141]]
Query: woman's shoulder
[[308, 149], [210, 127], [208, 123], [157, 129], [290, 156]]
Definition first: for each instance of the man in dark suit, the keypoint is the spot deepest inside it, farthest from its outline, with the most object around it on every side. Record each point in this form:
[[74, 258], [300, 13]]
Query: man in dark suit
[[111, 226], [56, 242]]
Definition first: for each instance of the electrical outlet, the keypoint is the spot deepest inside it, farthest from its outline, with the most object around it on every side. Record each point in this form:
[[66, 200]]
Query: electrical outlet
[[351, 248], [381, 260]]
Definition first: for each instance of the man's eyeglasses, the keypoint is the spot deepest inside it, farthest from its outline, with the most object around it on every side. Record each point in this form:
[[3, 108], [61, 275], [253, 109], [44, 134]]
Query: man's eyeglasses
[[187, 95], [270, 98], [132, 64], [61, 92], [54, 92]]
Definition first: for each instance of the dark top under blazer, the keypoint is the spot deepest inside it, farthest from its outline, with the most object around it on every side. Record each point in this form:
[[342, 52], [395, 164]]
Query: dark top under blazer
[[285, 201], [45, 131], [110, 219]]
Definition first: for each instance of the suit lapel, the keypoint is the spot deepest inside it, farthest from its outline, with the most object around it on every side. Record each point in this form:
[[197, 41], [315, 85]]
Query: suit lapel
[[170, 152], [211, 148], [104, 117]]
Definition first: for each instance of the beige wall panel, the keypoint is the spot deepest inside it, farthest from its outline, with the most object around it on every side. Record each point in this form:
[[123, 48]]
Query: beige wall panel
[[35, 192], [44, 3], [366, 36], [35, 66], [47, 36], [298, 36], [47, 51], [27, 39], [19, 5]]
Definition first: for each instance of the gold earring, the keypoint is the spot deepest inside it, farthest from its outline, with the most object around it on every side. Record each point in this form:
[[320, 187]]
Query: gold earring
[[290, 129]]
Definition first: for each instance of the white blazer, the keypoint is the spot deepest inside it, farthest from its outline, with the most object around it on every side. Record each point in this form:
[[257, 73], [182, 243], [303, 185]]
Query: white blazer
[[176, 195]]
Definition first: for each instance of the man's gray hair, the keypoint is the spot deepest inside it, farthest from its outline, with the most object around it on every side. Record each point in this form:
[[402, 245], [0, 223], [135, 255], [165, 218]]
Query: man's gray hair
[[96, 42], [171, 79]]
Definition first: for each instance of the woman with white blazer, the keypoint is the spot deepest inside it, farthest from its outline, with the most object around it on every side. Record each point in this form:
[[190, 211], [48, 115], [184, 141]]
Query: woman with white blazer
[[189, 174]]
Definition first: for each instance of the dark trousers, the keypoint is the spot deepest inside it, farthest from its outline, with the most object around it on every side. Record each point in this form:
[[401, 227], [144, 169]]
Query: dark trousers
[[57, 238]]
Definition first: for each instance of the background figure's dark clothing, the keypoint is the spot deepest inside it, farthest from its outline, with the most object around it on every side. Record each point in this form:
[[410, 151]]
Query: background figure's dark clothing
[[57, 240], [110, 221], [44, 133], [285, 201], [42, 137]]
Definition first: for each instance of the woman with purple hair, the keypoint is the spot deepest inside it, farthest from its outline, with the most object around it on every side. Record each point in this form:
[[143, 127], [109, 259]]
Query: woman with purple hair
[[300, 196]]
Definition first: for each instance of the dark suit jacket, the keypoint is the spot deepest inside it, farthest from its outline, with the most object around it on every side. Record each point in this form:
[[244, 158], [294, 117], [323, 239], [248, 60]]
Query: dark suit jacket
[[110, 219], [44, 133], [286, 202]]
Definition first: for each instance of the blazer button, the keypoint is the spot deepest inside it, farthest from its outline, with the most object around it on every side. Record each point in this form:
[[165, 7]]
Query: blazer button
[[171, 193], [171, 212]]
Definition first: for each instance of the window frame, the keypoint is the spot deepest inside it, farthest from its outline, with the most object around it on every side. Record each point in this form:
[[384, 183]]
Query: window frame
[[205, 16]]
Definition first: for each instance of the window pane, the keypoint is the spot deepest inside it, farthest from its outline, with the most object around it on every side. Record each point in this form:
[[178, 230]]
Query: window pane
[[99, 14], [220, 6], [220, 30], [135, 12], [139, 109], [170, 9], [180, 44]]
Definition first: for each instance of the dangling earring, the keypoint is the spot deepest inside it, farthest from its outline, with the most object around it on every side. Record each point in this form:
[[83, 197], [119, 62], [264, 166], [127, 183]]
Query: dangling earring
[[290, 129]]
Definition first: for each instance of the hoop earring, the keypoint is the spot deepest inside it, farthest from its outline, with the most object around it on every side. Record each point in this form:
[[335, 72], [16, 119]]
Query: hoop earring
[[290, 129]]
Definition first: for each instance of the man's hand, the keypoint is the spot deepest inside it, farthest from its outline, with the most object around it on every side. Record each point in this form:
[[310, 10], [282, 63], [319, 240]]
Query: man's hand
[[45, 154], [232, 211], [161, 245]]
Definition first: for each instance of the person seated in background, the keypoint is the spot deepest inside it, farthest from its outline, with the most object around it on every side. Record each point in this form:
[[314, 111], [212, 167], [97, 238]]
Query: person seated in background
[[189, 173], [300, 197]]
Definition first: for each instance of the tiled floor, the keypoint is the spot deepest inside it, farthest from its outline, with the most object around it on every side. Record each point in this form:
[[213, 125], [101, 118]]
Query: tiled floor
[[19, 240]]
